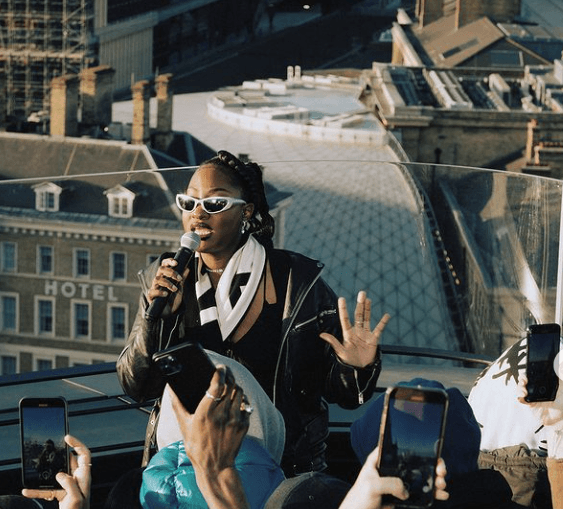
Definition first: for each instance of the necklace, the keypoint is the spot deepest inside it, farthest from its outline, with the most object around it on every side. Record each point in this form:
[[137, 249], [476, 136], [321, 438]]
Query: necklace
[[216, 271]]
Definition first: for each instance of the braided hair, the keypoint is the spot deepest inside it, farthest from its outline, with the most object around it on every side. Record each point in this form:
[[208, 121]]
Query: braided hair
[[249, 178]]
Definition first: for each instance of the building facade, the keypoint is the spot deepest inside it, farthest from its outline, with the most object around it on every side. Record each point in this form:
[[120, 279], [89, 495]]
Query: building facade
[[463, 117]]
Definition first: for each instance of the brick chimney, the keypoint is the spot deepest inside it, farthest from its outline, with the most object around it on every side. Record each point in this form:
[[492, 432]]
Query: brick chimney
[[428, 11], [140, 131], [96, 87], [64, 105], [164, 99]]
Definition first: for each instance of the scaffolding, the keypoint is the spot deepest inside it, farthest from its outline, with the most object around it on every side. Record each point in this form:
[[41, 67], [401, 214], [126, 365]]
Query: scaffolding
[[39, 40]]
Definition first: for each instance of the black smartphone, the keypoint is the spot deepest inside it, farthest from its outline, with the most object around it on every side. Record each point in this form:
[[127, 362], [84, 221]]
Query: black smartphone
[[44, 452], [543, 346], [188, 370], [410, 440]]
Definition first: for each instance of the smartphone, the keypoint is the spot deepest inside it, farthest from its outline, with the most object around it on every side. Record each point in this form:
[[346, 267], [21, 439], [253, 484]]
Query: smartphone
[[44, 452], [543, 346], [410, 440], [188, 370]]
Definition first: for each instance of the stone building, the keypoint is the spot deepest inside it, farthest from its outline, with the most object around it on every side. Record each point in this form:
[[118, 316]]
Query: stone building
[[74, 236], [468, 33], [463, 117]]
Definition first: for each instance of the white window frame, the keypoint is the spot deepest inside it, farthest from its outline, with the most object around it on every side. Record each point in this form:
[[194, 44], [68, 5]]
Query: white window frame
[[38, 332], [75, 262], [16, 296], [120, 201], [112, 266], [109, 333], [74, 332], [42, 192], [39, 259], [14, 269]]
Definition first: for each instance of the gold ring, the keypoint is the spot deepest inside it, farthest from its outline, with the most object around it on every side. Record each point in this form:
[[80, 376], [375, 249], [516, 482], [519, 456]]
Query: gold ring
[[51, 497]]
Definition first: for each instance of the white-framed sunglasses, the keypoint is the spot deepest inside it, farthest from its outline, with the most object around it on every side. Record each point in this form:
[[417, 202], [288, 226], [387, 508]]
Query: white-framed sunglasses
[[211, 205]]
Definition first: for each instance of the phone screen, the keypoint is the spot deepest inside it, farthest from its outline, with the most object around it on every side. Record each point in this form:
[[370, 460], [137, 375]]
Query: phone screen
[[43, 425], [543, 346], [412, 437]]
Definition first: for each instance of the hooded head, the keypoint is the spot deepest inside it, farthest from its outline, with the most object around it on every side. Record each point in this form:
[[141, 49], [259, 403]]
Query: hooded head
[[266, 422]]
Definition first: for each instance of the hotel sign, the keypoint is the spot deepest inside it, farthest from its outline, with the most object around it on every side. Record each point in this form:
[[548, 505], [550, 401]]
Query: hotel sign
[[70, 290]]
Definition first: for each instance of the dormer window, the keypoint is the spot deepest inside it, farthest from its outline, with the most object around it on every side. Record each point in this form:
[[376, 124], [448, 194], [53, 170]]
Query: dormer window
[[47, 197], [120, 201]]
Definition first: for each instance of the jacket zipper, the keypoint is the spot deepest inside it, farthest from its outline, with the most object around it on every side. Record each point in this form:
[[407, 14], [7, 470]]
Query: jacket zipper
[[296, 310], [361, 391], [322, 314]]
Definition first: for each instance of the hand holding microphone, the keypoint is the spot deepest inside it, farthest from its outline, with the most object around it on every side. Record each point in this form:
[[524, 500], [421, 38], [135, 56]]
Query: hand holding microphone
[[189, 242]]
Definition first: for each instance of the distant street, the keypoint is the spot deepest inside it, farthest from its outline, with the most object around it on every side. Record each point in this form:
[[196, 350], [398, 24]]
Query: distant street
[[339, 40]]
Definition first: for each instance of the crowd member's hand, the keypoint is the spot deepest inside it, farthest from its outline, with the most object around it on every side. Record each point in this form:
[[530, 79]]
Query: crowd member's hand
[[213, 436], [369, 488], [75, 492], [549, 412], [214, 433], [359, 343], [168, 281]]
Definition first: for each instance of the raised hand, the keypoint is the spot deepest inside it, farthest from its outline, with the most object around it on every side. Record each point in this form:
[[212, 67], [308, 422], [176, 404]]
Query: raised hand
[[75, 492], [359, 343]]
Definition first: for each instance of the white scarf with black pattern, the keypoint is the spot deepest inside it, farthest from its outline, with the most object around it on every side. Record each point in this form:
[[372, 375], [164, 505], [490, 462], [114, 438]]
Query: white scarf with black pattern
[[228, 303]]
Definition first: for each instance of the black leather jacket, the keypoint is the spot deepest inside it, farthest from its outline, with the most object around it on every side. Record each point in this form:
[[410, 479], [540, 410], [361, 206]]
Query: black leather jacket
[[308, 372]]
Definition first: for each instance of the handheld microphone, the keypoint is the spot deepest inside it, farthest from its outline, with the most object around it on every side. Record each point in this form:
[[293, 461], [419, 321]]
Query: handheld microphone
[[189, 242]]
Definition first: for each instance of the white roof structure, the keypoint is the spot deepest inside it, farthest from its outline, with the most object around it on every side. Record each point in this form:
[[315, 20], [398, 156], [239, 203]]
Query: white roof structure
[[341, 179]]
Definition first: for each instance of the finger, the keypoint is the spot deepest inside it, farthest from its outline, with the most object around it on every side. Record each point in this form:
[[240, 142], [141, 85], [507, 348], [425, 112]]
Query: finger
[[343, 314], [218, 382], [372, 457], [359, 312], [522, 390], [168, 269], [44, 494], [441, 495], [440, 483], [332, 341], [229, 380], [238, 409], [70, 486], [367, 314], [441, 469], [381, 325], [84, 455], [236, 403], [393, 486], [166, 282]]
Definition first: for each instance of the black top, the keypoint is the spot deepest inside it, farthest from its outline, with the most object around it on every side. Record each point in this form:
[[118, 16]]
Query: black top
[[258, 350]]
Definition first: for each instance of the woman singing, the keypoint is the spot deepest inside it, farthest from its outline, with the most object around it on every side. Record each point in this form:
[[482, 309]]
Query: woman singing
[[269, 309]]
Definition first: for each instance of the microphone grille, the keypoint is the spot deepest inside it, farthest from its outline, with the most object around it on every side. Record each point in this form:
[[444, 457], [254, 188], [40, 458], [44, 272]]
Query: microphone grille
[[190, 241]]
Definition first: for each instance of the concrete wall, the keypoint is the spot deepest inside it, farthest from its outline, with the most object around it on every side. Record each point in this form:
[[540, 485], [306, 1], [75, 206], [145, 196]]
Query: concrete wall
[[469, 138]]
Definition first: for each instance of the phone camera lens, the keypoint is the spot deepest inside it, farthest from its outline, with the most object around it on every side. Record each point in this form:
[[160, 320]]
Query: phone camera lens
[[170, 365]]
